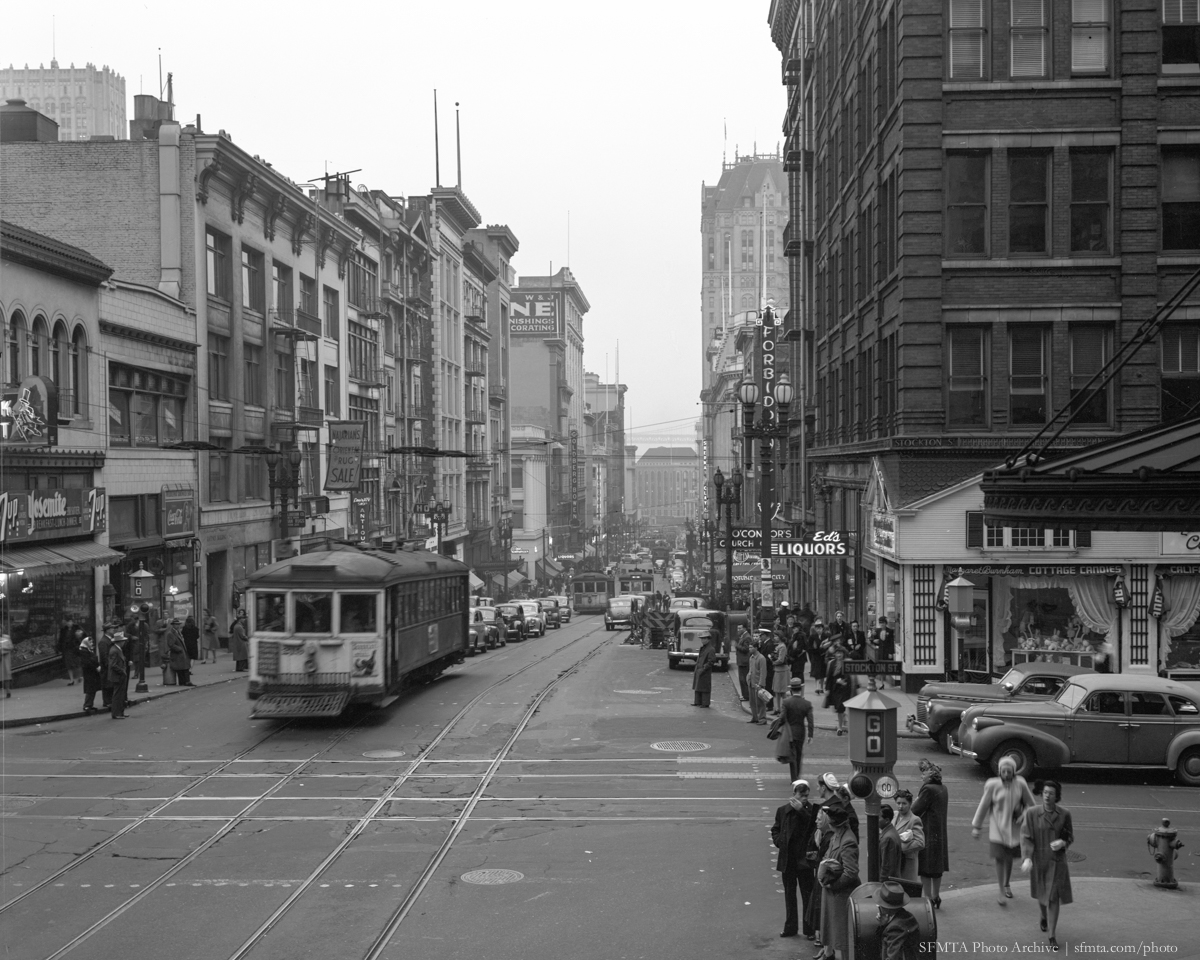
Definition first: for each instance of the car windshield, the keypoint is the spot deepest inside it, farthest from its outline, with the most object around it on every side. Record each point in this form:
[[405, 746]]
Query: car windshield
[[696, 623], [485, 614], [1072, 695], [548, 604], [509, 611], [620, 604]]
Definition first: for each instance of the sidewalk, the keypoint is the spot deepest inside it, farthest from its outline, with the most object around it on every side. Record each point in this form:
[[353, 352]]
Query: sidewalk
[[825, 718], [55, 700]]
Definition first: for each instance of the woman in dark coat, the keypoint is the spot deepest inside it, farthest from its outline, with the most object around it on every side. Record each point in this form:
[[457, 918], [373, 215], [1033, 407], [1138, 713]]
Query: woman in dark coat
[[68, 648], [1046, 832], [932, 806], [838, 876], [816, 656], [838, 688], [191, 638]]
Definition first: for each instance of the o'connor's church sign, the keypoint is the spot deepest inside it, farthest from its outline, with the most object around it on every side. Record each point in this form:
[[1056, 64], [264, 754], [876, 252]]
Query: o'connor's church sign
[[29, 414]]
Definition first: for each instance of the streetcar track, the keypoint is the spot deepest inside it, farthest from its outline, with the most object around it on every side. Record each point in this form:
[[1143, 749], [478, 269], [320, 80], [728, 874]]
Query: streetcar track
[[280, 911], [230, 822]]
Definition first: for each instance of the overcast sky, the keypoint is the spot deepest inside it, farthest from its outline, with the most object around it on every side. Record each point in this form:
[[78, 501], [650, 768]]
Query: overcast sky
[[611, 112]]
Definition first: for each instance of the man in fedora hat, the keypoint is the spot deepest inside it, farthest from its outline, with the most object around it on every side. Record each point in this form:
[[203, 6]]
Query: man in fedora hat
[[796, 712], [899, 934]]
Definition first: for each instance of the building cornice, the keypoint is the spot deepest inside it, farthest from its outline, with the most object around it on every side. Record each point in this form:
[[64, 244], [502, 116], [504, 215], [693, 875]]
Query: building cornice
[[24, 246], [108, 328]]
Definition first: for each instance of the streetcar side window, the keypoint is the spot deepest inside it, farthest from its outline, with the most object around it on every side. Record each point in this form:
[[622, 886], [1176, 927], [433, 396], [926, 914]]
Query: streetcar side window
[[358, 613], [314, 612], [270, 611]]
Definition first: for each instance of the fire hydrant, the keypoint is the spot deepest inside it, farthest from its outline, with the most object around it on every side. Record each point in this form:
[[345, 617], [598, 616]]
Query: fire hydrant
[[1163, 847]]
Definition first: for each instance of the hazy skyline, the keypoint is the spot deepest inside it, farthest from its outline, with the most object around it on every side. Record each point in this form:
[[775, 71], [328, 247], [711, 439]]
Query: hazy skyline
[[609, 117]]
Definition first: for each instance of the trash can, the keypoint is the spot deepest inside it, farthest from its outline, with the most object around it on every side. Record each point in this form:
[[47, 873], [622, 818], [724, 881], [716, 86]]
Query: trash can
[[864, 924]]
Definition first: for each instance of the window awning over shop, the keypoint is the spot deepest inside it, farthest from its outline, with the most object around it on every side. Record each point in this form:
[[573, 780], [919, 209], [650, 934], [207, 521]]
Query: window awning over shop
[[1149, 480], [476, 583], [550, 568], [61, 558]]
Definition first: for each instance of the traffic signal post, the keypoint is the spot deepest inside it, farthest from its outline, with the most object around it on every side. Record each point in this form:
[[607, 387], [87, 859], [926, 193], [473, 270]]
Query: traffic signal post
[[872, 720]]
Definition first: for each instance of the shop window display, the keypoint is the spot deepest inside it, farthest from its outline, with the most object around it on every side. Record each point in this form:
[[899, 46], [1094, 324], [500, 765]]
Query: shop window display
[[33, 611], [1058, 620], [1179, 626]]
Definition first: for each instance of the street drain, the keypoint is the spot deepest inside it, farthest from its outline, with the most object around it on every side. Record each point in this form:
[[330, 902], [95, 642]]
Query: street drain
[[383, 754], [679, 746], [492, 876], [1074, 857]]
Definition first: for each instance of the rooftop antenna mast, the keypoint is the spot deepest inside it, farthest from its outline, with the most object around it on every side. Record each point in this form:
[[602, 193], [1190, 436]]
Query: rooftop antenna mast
[[437, 153], [458, 144]]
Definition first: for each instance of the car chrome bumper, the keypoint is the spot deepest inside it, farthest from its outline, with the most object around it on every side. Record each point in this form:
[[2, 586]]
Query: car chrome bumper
[[964, 752], [956, 748]]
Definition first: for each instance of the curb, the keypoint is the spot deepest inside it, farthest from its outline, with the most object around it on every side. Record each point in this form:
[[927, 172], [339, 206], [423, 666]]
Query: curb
[[80, 715]]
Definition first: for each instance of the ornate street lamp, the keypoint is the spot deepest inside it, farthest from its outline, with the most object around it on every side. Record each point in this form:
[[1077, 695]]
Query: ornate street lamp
[[772, 425], [728, 495], [283, 475]]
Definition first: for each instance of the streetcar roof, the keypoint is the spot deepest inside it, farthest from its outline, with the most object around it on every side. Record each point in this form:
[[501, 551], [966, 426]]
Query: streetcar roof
[[351, 566]]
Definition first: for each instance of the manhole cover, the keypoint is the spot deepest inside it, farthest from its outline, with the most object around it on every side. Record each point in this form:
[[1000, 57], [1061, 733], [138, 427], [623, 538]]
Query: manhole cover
[[637, 691], [383, 754], [679, 746], [1074, 857], [10, 805], [493, 876], [100, 750]]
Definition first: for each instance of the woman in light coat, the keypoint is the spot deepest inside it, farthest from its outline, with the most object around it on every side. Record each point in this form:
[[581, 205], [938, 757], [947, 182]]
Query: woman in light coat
[[912, 834], [1004, 802]]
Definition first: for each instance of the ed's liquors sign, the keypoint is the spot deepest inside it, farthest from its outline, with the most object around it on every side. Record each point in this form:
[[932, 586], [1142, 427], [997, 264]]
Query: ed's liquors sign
[[48, 514]]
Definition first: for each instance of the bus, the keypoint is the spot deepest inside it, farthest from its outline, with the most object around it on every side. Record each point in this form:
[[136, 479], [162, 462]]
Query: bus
[[352, 624]]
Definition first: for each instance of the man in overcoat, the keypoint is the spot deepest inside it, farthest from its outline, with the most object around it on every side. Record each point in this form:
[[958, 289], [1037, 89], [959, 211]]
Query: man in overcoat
[[792, 833], [118, 676], [103, 646], [891, 857], [797, 712], [702, 676]]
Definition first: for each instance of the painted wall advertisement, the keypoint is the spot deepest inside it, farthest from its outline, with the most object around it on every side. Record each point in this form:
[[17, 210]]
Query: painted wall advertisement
[[1181, 545], [49, 514], [345, 454], [535, 314]]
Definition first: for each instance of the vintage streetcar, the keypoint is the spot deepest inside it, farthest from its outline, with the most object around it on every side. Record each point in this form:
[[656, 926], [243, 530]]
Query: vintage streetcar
[[351, 624]]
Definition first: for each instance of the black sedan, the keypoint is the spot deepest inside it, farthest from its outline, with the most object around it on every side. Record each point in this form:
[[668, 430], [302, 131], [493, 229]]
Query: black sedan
[[513, 618]]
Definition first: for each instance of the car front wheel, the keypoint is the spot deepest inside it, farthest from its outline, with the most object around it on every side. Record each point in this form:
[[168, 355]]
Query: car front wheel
[[1188, 767], [1021, 754]]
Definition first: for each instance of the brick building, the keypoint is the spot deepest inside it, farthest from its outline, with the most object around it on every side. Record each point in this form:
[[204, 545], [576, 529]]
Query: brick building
[[988, 199]]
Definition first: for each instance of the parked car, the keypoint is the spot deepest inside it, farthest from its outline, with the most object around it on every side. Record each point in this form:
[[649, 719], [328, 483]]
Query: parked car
[[1096, 719], [564, 608], [618, 612], [690, 628], [550, 611], [940, 706], [485, 624], [482, 601], [535, 620], [513, 618], [684, 603]]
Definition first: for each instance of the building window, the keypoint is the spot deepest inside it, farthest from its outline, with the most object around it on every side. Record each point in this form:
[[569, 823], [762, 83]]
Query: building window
[[145, 407], [252, 279], [1089, 353], [1028, 203], [218, 367], [12, 348], [1180, 351], [518, 476], [362, 282], [254, 477], [966, 403], [79, 378], [966, 204], [1181, 36], [281, 290], [1027, 38], [1027, 376], [308, 295], [1181, 198], [285, 381], [333, 313], [333, 404], [966, 39], [254, 374], [218, 470], [1089, 36], [1091, 201], [217, 251]]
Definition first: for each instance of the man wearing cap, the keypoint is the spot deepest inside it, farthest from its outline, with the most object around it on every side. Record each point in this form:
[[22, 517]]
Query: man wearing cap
[[796, 712], [239, 644], [702, 675], [899, 933], [103, 645], [792, 833], [117, 670]]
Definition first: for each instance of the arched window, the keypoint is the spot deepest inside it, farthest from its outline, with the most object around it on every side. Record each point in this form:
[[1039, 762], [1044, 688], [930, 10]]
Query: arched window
[[12, 349], [60, 350], [79, 383], [39, 343]]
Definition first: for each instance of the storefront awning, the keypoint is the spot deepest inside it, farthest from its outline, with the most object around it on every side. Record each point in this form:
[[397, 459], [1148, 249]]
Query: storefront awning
[[515, 578], [1148, 480], [550, 568], [61, 558], [476, 583]]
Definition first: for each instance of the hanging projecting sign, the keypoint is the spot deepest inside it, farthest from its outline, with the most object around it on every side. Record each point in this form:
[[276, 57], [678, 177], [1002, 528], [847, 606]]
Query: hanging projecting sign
[[46, 514], [345, 454], [178, 512], [29, 414]]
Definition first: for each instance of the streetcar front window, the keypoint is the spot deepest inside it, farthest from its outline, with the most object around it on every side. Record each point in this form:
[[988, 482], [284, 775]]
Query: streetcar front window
[[358, 613], [270, 612], [314, 612]]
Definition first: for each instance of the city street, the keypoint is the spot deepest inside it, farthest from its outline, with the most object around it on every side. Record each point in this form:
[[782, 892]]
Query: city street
[[458, 823]]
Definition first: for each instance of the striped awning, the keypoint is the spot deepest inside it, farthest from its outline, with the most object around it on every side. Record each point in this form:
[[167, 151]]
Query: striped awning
[[476, 583], [59, 558]]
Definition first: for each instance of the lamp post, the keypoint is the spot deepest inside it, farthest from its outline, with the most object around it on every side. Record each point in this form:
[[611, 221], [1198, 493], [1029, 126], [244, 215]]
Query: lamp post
[[143, 587], [506, 539], [283, 475], [728, 495], [772, 425], [438, 512], [960, 593]]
